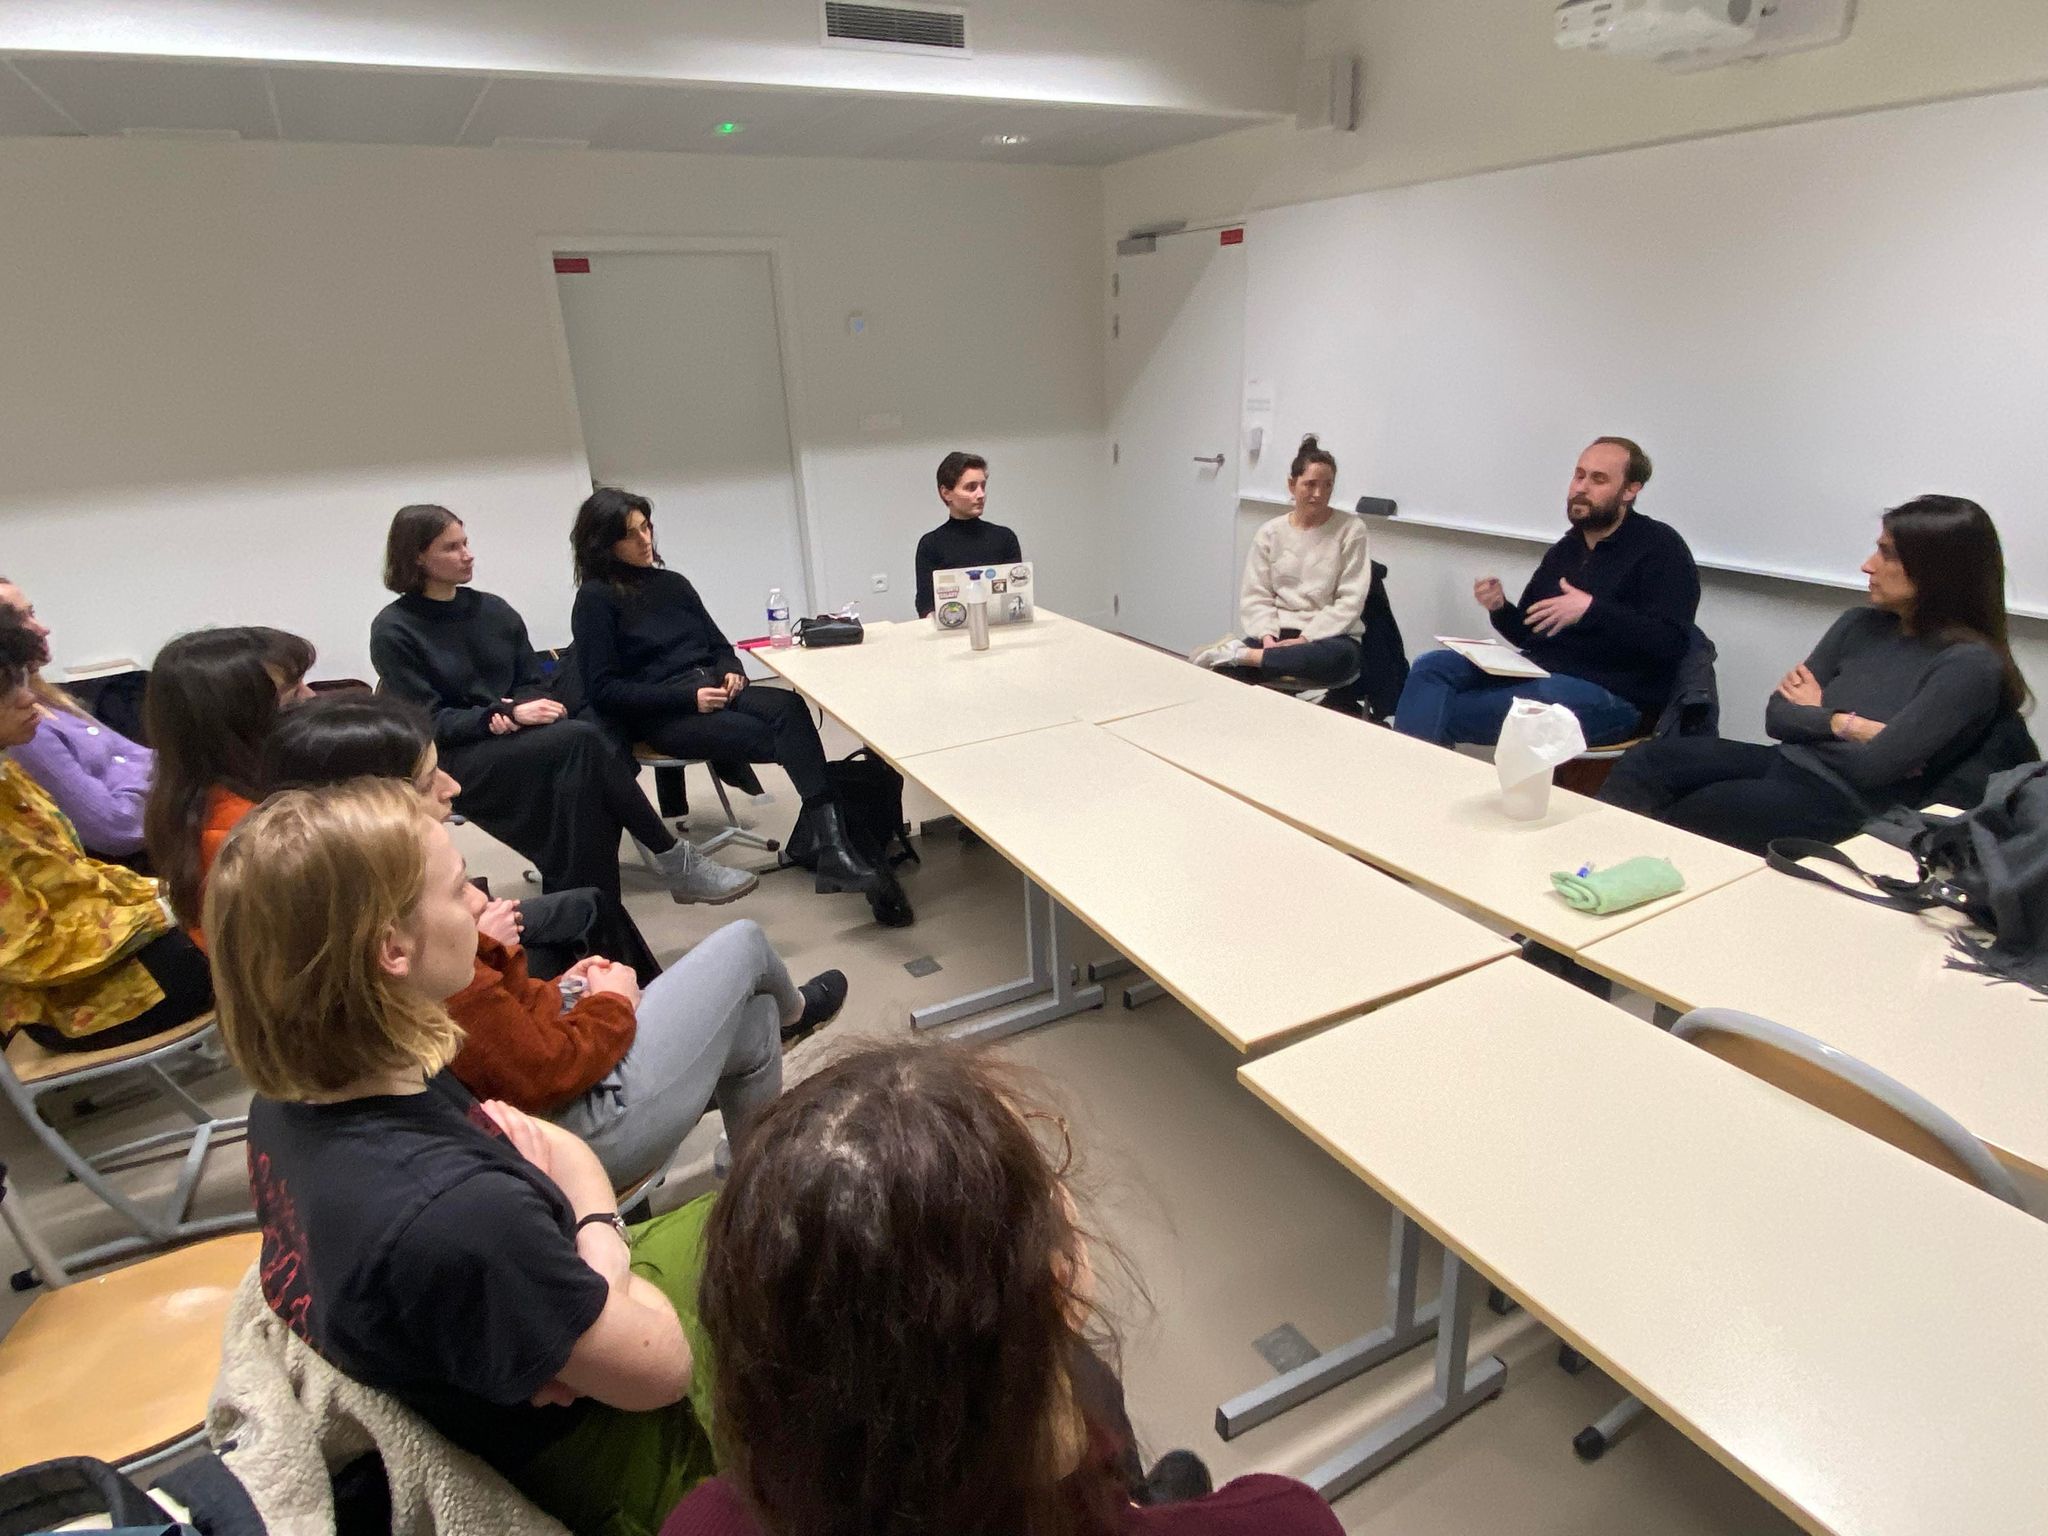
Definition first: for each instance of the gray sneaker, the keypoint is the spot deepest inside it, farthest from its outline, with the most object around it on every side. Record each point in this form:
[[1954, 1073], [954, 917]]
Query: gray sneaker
[[690, 876]]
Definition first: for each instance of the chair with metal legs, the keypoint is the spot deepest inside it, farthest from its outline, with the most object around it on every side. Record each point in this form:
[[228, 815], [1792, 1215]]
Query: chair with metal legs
[[29, 1074], [732, 832], [1846, 1088]]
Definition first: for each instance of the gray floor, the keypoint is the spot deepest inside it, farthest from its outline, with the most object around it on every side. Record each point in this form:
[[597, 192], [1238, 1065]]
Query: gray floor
[[1232, 1221]]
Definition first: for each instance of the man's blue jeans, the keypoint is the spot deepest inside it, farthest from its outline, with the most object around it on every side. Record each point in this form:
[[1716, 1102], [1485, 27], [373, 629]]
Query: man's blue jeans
[[1449, 700]]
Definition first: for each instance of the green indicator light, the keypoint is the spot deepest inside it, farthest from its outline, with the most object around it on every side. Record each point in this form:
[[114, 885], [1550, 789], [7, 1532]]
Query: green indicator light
[[728, 128]]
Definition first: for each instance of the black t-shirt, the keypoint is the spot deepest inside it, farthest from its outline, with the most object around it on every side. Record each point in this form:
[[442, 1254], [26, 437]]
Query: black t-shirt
[[409, 1244], [958, 543]]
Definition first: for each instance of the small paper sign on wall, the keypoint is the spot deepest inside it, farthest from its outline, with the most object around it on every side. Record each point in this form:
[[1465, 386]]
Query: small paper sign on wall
[[1260, 399]]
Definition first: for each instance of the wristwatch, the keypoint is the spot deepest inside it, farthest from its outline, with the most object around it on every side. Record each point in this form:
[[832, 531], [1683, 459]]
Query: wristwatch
[[610, 1219]]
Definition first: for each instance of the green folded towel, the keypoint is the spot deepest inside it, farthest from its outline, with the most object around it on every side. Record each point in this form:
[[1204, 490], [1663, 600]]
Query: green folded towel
[[1616, 890]]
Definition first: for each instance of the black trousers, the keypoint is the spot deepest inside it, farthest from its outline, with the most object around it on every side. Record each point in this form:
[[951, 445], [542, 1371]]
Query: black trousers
[[562, 927], [559, 794], [762, 725], [1736, 792], [178, 966], [1324, 663]]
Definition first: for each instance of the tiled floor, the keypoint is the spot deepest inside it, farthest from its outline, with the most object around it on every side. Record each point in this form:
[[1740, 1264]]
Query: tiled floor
[[1233, 1221]]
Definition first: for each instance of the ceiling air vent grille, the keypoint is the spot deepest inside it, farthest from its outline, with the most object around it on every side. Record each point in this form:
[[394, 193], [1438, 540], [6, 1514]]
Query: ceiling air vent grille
[[899, 28]]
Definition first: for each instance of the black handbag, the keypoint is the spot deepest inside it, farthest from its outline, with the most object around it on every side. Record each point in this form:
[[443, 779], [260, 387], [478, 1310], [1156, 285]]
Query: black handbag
[[828, 629]]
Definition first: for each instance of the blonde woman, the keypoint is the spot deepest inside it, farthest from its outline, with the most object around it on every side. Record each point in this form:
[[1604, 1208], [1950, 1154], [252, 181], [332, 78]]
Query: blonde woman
[[464, 1257]]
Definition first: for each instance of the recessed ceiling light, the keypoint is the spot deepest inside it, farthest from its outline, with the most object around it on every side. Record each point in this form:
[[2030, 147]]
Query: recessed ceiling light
[[727, 130], [1005, 140]]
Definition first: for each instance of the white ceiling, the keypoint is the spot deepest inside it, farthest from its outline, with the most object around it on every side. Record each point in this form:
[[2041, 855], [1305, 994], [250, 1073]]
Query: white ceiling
[[47, 95]]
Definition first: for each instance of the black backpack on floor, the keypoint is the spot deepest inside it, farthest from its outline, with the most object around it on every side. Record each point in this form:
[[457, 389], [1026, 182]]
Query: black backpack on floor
[[871, 800]]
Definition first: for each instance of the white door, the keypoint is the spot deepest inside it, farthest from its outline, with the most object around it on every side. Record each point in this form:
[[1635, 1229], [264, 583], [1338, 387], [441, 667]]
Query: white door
[[1176, 384], [678, 366]]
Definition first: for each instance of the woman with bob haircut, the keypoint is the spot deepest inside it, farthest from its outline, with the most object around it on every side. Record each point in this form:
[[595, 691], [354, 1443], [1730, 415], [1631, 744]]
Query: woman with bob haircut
[[1910, 699], [213, 696], [556, 789], [464, 1257], [899, 1294], [629, 1071], [656, 666]]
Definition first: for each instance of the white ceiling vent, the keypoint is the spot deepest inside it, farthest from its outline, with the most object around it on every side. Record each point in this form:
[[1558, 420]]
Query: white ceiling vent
[[896, 28]]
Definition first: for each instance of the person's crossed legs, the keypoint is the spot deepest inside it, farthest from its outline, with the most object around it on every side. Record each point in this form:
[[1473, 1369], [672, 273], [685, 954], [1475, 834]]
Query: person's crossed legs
[[1448, 700]]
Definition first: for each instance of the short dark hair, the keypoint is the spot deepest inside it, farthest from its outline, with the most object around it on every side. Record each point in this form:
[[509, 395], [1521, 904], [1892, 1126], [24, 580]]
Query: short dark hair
[[1638, 472], [601, 523], [908, 1183], [20, 652], [341, 736], [956, 464], [413, 528], [1311, 452]]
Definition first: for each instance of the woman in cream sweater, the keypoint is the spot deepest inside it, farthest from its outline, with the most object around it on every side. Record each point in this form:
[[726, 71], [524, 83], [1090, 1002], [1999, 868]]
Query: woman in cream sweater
[[1302, 605]]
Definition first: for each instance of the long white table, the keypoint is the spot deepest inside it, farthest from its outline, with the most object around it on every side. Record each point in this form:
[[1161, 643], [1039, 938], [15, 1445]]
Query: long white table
[[1427, 814], [1870, 981], [908, 689], [1261, 931], [1857, 1334]]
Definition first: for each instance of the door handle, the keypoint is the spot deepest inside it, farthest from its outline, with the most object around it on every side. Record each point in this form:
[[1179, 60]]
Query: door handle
[[1214, 460]]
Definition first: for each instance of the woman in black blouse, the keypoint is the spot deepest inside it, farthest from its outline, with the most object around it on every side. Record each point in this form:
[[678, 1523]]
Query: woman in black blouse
[[655, 665], [557, 790]]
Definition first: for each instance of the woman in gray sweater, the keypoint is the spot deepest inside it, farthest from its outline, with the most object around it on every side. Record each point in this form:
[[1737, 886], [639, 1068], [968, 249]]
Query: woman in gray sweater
[[1899, 696]]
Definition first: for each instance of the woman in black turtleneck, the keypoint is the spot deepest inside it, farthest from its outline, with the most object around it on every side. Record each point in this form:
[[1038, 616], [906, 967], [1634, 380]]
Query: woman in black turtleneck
[[555, 789], [656, 666]]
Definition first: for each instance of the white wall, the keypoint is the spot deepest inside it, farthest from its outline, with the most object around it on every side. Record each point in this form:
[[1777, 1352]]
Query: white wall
[[1458, 86], [228, 364], [1193, 55]]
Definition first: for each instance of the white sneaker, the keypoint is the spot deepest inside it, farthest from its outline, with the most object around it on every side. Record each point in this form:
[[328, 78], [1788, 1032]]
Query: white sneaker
[[1227, 652]]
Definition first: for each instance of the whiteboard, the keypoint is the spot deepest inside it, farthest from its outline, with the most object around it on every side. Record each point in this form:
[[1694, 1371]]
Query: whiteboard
[[1802, 325]]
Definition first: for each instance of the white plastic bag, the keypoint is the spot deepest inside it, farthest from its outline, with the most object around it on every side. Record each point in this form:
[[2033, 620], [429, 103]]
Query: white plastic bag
[[1534, 739]]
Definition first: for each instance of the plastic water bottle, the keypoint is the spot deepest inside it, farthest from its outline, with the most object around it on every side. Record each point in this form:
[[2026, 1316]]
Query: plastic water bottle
[[778, 619]]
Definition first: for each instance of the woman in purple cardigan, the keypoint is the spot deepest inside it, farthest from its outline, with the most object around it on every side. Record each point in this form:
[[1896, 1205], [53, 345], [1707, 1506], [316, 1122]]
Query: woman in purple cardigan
[[97, 776]]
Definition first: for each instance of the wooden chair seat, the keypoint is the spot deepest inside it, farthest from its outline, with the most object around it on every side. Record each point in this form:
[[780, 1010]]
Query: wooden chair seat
[[31, 1063], [119, 1366]]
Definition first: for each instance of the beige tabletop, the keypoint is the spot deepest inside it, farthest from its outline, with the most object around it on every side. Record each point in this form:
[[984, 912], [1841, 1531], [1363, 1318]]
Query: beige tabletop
[[908, 689], [1873, 982], [1429, 814], [1850, 1330], [1260, 930]]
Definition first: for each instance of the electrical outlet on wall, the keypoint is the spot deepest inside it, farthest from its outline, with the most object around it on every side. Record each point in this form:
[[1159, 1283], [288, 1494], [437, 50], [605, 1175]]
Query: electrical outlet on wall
[[879, 582]]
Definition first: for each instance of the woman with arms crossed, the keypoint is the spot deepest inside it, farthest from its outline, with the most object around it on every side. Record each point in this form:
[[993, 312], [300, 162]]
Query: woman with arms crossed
[[1894, 707]]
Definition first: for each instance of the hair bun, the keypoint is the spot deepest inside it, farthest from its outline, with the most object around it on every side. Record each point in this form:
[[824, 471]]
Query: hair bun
[[1309, 441]]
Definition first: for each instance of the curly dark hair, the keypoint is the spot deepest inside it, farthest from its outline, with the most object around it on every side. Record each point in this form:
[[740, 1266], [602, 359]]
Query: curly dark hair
[[892, 1293]]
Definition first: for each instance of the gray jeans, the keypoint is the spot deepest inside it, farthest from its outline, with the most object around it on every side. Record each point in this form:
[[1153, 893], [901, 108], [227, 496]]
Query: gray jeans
[[710, 1026]]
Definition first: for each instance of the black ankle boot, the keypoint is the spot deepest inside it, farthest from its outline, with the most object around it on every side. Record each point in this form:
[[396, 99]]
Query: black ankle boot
[[839, 867]]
